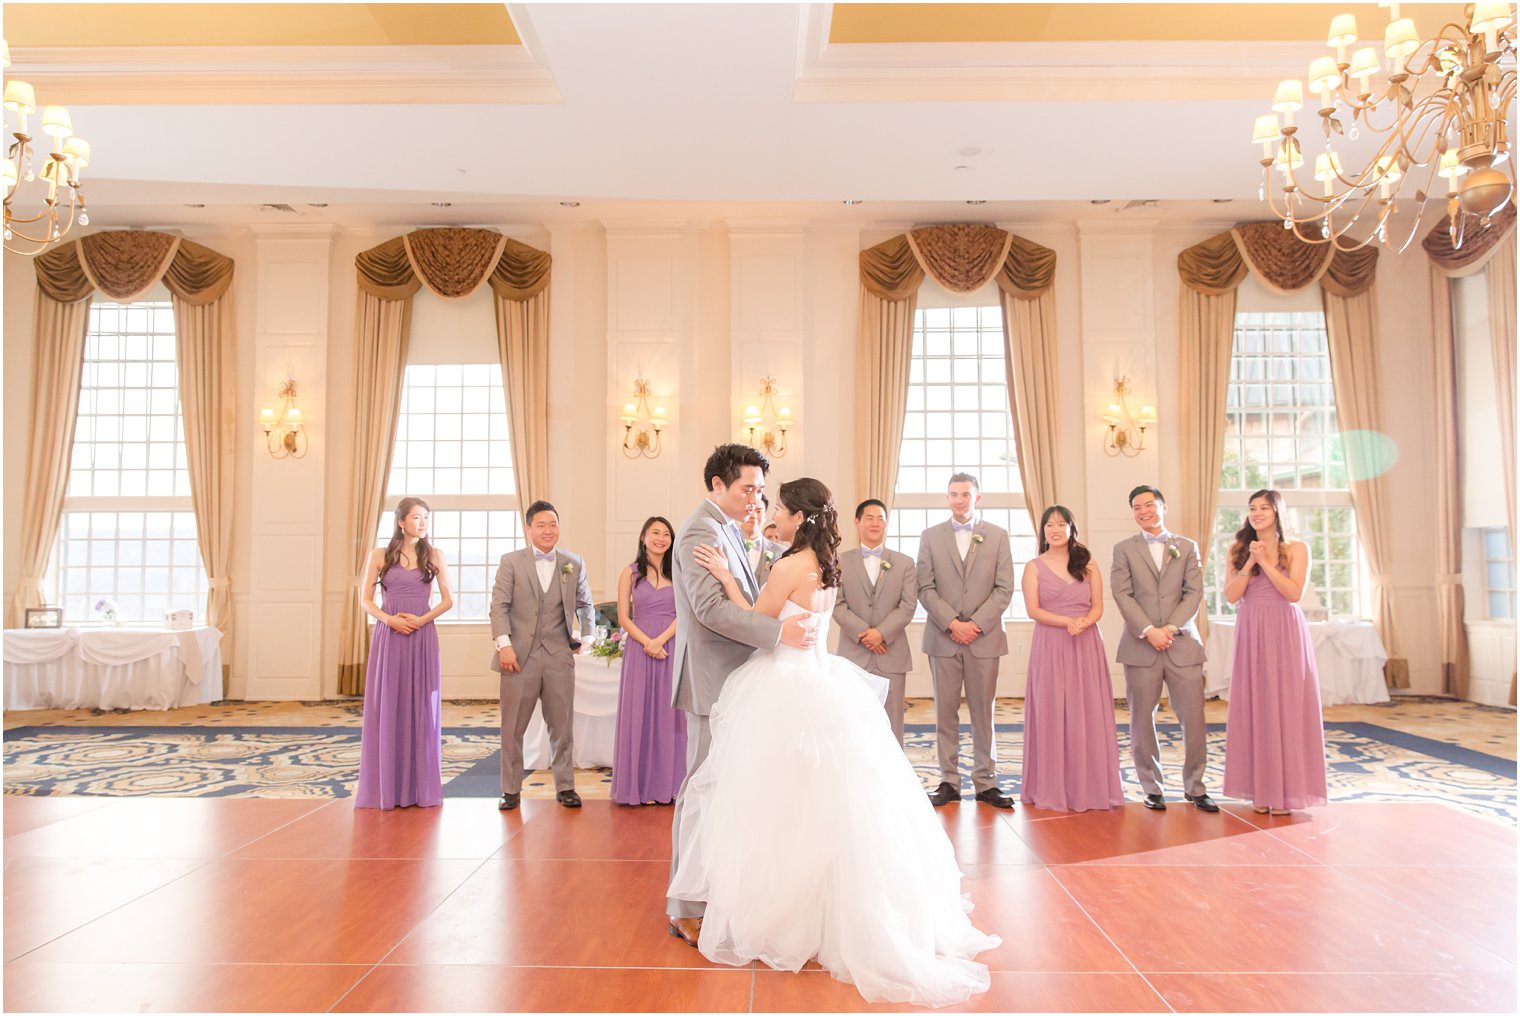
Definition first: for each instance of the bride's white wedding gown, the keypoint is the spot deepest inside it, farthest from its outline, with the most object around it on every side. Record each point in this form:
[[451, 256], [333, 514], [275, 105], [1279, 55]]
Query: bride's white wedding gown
[[809, 836]]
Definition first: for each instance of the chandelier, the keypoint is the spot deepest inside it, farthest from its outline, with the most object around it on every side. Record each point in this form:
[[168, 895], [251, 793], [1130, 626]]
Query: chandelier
[[1441, 114], [60, 169]]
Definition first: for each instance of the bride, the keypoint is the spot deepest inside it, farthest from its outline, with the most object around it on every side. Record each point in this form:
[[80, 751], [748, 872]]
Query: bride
[[806, 830]]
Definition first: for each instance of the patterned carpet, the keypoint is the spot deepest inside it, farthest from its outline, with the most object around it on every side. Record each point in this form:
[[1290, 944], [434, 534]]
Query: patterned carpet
[[1367, 762]]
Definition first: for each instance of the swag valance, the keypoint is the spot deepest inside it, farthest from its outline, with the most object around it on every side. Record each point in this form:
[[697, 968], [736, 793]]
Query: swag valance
[[961, 257], [451, 263], [1280, 261], [124, 265]]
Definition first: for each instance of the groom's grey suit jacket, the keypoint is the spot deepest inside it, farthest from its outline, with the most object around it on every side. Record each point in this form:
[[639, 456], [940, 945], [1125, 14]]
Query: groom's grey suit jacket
[[517, 596], [980, 587], [887, 606], [713, 636], [1147, 597]]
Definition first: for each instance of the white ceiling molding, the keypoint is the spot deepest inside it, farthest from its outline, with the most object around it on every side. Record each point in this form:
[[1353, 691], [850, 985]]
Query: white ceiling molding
[[286, 75]]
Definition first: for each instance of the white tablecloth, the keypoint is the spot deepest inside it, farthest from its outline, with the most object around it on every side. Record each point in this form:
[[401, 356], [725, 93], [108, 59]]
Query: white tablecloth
[[1348, 654], [111, 668], [596, 700]]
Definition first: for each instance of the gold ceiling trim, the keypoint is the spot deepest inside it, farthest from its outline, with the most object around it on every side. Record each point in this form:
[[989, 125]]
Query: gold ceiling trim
[[106, 25], [1102, 22]]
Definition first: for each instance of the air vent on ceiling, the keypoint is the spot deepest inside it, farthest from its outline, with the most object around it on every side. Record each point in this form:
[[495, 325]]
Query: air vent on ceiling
[[1146, 203], [278, 207]]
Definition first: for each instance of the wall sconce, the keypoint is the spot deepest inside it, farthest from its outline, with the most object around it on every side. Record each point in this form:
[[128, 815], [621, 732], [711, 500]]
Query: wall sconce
[[283, 436], [768, 422], [1126, 432], [641, 427]]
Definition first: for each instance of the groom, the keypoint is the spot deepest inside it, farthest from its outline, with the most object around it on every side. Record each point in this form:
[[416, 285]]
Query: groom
[[1157, 585], [714, 636]]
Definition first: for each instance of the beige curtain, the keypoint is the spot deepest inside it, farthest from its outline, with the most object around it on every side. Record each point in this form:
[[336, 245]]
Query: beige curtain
[[124, 265], [1446, 485], [451, 263], [1492, 251], [962, 257], [380, 340], [1351, 324], [59, 330], [1211, 273]]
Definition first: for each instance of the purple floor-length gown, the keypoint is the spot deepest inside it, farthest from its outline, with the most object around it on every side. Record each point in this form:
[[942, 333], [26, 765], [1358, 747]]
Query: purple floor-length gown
[[1274, 754], [1071, 750], [400, 756], [649, 753]]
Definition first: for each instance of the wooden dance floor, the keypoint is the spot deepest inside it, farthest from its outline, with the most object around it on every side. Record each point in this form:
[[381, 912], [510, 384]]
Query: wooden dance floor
[[249, 904]]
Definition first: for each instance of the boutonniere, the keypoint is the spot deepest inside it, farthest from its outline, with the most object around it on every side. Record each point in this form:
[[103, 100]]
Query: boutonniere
[[977, 538], [568, 569], [886, 565], [770, 555], [1172, 551]]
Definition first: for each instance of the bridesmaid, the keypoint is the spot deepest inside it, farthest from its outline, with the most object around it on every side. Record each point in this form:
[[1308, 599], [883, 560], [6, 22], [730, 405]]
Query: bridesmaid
[[1274, 736], [649, 753], [1071, 750], [401, 750]]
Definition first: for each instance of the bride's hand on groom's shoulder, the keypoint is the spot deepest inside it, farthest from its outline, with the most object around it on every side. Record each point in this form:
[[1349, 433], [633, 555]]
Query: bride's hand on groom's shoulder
[[712, 559]]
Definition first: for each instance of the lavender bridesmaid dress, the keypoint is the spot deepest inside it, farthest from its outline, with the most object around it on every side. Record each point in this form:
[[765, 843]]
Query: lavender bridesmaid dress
[[1071, 750], [401, 753], [1274, 754], [649, 751]]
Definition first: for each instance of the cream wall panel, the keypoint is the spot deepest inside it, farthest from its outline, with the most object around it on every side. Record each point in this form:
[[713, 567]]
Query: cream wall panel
[[293, 293]]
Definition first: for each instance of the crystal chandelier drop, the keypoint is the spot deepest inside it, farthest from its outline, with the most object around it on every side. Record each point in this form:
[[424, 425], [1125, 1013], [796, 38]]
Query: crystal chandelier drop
[[63, 201], [1441, 113]]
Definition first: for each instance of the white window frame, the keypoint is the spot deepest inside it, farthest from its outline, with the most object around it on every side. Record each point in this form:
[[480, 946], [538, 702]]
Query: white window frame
[[1006, 508], [88, 509], [1491, 561]]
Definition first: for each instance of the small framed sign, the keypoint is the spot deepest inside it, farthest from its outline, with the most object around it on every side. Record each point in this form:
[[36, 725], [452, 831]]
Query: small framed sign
[[44, 617]]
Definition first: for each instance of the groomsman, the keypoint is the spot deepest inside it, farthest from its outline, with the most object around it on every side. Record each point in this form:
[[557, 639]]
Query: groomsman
[[965, 582], [878, 592], [540, 592], [759, 548], [1157, 585]]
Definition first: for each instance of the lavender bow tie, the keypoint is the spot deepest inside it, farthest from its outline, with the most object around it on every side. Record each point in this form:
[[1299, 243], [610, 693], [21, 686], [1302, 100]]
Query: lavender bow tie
[[1157, 539], [539, 555], [961, 527], [876, 553]]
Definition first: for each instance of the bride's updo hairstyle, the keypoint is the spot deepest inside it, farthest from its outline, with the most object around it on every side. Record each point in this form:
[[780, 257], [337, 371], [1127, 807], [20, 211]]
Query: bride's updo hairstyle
[[819, 531]]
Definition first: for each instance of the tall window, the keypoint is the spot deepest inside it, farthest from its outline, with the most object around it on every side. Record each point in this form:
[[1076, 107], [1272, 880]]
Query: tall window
[[128, 528], [958, 421], [453, 451], [1281, 433]]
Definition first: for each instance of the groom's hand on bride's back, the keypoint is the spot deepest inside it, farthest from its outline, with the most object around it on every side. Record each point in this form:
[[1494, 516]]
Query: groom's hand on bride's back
[[799, 631]]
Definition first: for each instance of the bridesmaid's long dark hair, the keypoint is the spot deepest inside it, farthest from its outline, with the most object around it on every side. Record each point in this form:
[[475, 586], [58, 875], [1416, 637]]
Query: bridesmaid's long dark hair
[[424, 550], [1240, 550], [819, 531], [641, 564], [1077, 555]]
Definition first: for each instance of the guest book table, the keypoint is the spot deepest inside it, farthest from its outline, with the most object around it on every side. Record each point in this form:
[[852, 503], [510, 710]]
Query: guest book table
[[1348, 655], [596, 699], [111, 668]]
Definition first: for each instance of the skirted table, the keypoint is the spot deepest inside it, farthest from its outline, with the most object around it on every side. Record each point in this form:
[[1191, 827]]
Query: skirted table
[[1349, 656], [596, 701], [111, 668]]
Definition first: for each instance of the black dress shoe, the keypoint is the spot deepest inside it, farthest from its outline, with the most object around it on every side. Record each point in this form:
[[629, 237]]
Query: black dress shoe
[[1155, 802], [569, 798], [1202, 802], [995, 797], [944, 794], [508, 802]]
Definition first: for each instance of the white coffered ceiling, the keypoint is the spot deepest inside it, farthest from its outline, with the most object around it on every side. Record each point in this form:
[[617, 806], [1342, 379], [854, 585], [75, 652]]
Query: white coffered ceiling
[[736, 105]]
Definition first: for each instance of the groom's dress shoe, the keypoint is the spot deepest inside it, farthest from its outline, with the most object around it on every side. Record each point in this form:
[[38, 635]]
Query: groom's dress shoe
[[687, 929], [944, 794], [508, 802], [1155, 802], [1203, 802], [995, 797], [569, 798]]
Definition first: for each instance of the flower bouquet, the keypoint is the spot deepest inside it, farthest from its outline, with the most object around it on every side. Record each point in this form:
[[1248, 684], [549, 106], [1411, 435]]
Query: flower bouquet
[[106, 608], [608, 647]]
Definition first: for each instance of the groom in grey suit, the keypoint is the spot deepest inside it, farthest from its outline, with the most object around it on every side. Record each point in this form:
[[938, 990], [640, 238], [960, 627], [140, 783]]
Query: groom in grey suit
[[965, 582], [878, 591], [1157, 584], [540, 593], [714, 636]]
